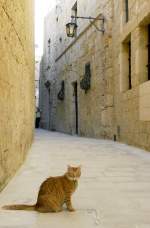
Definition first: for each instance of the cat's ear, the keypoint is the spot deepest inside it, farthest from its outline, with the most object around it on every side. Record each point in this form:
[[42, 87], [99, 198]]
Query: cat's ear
[[80, 166], [69, 167]]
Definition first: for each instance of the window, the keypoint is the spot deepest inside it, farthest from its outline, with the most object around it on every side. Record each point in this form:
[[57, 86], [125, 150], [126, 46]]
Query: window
[[126, 65], [129, 64], [127, 10], [148, 46], [143, 54], [144, 71], [74, 10], [74, 13], [88, 70], [85, 83], [49, 45]]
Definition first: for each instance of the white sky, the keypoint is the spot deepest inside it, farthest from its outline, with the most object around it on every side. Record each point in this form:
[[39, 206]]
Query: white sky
[[42, 7]]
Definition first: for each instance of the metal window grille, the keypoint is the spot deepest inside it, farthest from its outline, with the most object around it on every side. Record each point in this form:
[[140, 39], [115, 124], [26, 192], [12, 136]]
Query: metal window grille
[[88, 70], [85, 83]]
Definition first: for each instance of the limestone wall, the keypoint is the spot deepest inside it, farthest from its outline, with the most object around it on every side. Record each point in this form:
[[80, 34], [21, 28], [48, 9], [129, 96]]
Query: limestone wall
[[48, 76], [110, 108], [67, 62], [16, 84], [132, 106]]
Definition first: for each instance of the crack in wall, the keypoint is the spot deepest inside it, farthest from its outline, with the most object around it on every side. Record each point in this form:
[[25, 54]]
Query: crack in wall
[[16, 86], [19, 39]]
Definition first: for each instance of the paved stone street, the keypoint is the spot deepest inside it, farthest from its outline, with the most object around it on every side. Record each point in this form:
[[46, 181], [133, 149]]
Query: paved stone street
[[114, 191]]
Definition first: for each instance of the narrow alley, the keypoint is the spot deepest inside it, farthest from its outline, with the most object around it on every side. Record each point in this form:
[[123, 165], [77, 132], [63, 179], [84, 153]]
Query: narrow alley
[[113, 192]]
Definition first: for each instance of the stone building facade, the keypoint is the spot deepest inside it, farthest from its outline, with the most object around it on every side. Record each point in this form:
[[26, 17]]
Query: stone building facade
[[117, 104], [47, 99], [90, 113], [37, 76], [16, 84], [131, 69]]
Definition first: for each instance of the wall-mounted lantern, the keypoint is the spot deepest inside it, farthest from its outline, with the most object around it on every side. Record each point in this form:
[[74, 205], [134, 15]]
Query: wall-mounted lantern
[[71, 28]]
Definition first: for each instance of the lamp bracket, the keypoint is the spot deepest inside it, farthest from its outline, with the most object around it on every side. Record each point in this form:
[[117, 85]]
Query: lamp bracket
[[92, 21], [89, 18], [98, 29]]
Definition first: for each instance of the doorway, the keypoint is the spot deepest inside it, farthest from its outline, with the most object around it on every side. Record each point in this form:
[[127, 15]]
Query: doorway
[[49, 109], [75, 93]]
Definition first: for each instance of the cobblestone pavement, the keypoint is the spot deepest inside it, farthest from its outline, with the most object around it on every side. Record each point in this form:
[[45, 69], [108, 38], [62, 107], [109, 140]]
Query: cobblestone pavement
[[114, 191]]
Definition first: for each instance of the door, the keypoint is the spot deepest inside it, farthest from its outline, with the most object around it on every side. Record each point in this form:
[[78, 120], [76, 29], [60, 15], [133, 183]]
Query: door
[[75, 85], [49, 108]]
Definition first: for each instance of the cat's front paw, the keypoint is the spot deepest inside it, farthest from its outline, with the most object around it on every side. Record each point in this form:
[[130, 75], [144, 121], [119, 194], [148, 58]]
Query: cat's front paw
[[71, 209]]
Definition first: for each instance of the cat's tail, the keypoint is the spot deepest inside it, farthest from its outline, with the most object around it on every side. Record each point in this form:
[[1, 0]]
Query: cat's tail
[[19, 207]]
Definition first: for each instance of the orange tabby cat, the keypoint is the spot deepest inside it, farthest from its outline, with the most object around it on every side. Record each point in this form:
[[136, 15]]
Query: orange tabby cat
[[54, 192]]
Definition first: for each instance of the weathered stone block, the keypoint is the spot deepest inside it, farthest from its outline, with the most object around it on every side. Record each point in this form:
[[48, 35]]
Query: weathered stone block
[[16, 84]]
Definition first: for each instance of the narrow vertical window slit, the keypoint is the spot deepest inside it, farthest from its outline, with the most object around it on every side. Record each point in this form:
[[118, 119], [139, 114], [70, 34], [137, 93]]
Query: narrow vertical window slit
[[130, 83], [127, 10], [148, 46]]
